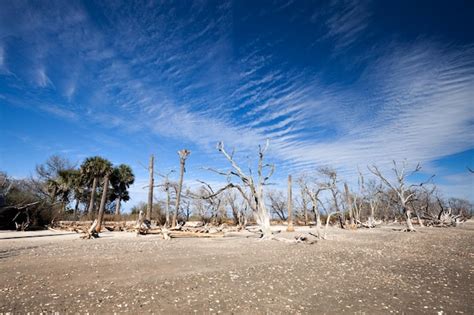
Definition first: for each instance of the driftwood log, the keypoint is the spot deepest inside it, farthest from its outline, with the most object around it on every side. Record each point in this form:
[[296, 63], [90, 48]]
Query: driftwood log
[[92, 232]]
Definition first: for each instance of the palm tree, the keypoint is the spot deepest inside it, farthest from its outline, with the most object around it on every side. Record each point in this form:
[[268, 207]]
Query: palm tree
[[65, 183], [72, 184], [122, 177], [52, 187], [93, 169]]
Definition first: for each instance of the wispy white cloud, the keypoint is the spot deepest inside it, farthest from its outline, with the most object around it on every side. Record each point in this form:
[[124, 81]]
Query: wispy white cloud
[[42, 78], [59, 112], [345, 22]]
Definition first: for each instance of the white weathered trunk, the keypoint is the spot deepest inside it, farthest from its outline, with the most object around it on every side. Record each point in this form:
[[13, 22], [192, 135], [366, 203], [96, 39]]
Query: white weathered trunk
[[328, 219], [261, 215], [149, 207], [371, 219], [420, 221], [183, 154], [290, 227], [318, 225], [167, 223], [263, 221], [410, 227], [318, 220]]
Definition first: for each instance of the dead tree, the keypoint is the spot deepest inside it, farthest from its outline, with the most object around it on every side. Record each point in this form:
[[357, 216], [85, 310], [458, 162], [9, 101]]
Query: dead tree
[[256, 198], [166, 186], [167, 207], [151, 182], [331, 185], [350, 203], [436, 213], [304, 200], [371, 195], [213, 200], [315, 201], [420, 203], [183, 155], [290, 227], [199, 204], [328, 220], [238, 210], [400, 188], [278, 205], [359, 200]]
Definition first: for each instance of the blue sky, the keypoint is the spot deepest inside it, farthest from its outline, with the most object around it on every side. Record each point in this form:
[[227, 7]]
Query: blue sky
[[340, 83]]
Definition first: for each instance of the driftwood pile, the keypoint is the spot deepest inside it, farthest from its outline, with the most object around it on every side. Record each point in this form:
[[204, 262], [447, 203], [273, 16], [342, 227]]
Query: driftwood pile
[[190, 229], [143, 227], [83, 226], [445, 218]]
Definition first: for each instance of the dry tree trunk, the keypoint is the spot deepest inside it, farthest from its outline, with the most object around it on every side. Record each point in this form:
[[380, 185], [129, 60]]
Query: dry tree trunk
[[399, 187], [328, 219], [410, 227], [103, 200], [262, 216], [149, 207], [317, 214], [349, 203], [305, 210], [371, 219], [420, 221], [290, 227], [256, 199], [183, 155], [167, 214]]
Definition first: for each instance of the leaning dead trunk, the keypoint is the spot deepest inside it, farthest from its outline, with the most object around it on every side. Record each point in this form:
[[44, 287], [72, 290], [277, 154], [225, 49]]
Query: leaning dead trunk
[[92, 231], [103, 200], [420, 221], [90, 209], [410, 227]]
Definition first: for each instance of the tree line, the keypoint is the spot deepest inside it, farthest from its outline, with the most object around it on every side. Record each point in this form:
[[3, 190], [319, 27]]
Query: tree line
[[61, 190]]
